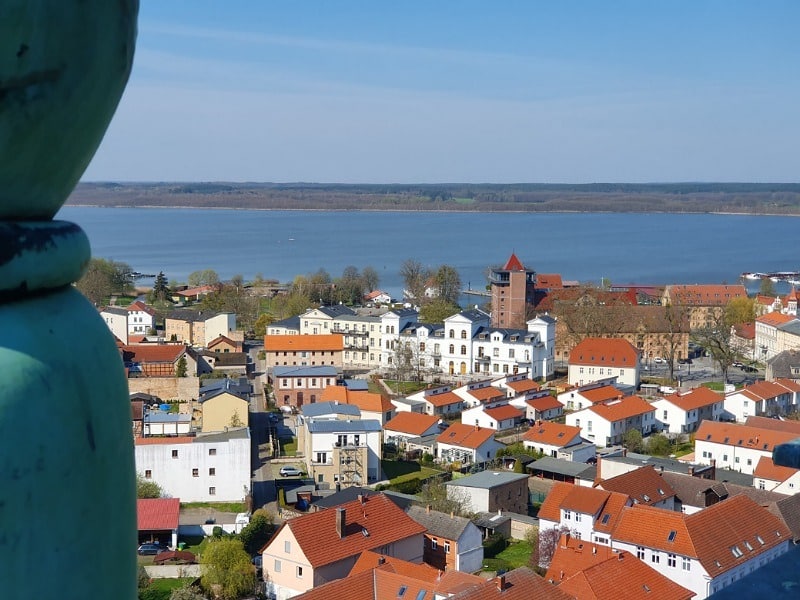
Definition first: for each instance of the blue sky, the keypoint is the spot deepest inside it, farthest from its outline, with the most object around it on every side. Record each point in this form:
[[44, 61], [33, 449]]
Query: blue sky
[[459, 91]]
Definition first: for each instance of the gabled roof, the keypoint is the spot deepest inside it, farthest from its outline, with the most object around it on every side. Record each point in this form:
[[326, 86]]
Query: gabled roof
[[604, 352], [297, 343], [335, 310], [696, 398], [522, 385], [764, 390], [365, 401], [550, 281], [465, 436], [369, 560], [775, 319], [774, 424], [157, 514], [574, 555], [617, 410], [705, 294], [767, 469], [602, 393], [318, 409], [551, 507], [139, 306], [605, 578], [544, 403], [411, 423], [741, 436], [513, 264], [487, 394], [503, 413], [370, 523], [443, 399], [440, 524], [551, 433], [644, 485], [153, 353], [486, 480], [221, 339], [520, 584]]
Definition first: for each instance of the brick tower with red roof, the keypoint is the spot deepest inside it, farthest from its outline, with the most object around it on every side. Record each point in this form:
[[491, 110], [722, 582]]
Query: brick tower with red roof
[[512, 290]]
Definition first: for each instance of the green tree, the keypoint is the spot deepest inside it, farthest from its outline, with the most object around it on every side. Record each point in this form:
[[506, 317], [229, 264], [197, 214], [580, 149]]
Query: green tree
[[146, 488], [436, 494], [204, 277], [767, 288], [658, 445], [741, 310], [262, 322], [448, 282], [181, 367], [632, 440], [228, 573], [160, 287], [103, 278], [716, 337], [257, 533], [436, 310]]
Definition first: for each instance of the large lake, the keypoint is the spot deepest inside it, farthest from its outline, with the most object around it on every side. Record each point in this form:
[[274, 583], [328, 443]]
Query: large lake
[[625, 248]]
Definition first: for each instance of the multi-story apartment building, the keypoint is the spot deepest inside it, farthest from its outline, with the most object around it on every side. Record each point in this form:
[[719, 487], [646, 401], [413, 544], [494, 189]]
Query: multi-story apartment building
[[198, 328]]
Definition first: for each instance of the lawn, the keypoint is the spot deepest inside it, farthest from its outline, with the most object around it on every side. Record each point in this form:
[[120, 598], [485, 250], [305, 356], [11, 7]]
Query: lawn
[[405, 387], [231, 507], [289, 447], [398, 471], [517, 554], [162, 588]]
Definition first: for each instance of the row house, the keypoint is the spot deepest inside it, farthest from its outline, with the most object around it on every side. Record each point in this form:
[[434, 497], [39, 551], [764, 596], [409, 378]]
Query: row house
[[481, 393], [775, 478], [558, 440], [543, 408], [198, 327], [407, 426], [440, 401], [707, 550], [763, 398], [775, 332], [499, 417], [684, 411], [396, 326], [586, 395], [303, 350], [467, 444], [314, 549], [295, 386], [735, 446], [320, 321], [606, 423], [362, 341], [594, 359], [206, 468]]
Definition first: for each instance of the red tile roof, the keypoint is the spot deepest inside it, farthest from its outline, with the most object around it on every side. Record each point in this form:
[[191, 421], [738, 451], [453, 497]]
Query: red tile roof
[[544, 403], [551, 281], [741, 436], [382, 520], [153, 353], [443, 399], [309, 343], [617, 410], [602, 580], [513, 264], [774, 424], [601, 394], [411, 423], [654, 527], [164, 441], [487, 394], [523, 385], [365, 401], [697, 398], [746, 331], [466, 436], [157, 514], [573, 555], [551, 507], [519, 584], [766, 389], [775, 319], [551, 433], [141, 307], [585, 500], [604, 352], [505, 412], [767, 469], [644, 485], [370, 560], [705, 295]]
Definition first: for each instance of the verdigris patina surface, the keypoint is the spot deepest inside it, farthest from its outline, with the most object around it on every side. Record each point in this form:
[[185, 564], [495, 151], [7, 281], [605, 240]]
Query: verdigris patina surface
[[67, 490]]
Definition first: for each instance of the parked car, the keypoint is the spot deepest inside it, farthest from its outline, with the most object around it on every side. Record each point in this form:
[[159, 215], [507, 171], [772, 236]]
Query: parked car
[[667, 389], [290, 472], [749, 369], [737, 364], [151, 548], [658, 360]]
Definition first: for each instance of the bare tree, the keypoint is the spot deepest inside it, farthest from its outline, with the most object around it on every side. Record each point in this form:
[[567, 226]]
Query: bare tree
[[370, 277], [544, 545], [415, 279], [716, 337], [448, 282], [444, 498]]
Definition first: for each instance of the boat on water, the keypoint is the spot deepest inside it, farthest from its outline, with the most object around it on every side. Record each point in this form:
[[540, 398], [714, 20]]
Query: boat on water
[[792, 277], [754, 276]]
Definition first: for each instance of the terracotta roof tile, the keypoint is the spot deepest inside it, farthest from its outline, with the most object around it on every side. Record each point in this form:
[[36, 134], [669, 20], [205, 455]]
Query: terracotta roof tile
[[653, 527], [310, 343], [154, 514], [550, 281], [444, 399], [573, 555], [520, 584], [697, 398], [383, 521], [165, 441], [551, 433], [585, 500], [369, 560], [601, 394], [152, 353], [741, 436], [644, 485], [513, 264], [365, 401], [502, 413], [411, 423], [767, 469], [360, 586], [604, 352], [602, 580], [617, 410], [705, 295], [775, 319], [523, 385], [487, 394], [544, 403], [774, 424], [466, 436]]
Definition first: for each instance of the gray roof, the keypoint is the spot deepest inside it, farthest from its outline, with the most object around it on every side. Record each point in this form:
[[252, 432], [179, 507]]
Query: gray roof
[[194, 316], [782, 363], [668, 464], [490, 520], [291, 493], [290, 323], [359, 318], [545, 318], [349, 494], [691, 490], [557, 465], [206, 396], [319, 409], [439, 523], [792, 327], [403, 312], [223, 436], [408, 401], [474, 315], [157, 416], [319, 371], [357, 385], [116, 310], [487, 479], [339, 426], [788, 509], [230, 359], [337, 310], [241, 386]]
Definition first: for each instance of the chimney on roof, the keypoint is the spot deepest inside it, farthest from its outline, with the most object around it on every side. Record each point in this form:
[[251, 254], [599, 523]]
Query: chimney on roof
[[340, 522], [691, 470], [362, 498], [661, 469], [594, 549], [501, 582]]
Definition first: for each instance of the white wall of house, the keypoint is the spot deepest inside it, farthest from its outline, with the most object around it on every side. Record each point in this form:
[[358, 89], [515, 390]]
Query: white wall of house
[[139, 322], [790, 486], [118, 324], [221, 324], [484, 452], [743, 460], [470, 550], [603, 433], [585, 374], [222, 469], [477, 416], [323, 444]]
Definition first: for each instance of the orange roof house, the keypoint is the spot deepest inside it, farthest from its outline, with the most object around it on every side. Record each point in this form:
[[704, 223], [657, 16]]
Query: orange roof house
[[152, 360], [365, 401], [775, 319], [605, 352], [548, 436], [467, 443], [304, 350], [319, 547], [411, 424], [601, 507], [703, 294], [573, 555], [643, 485]]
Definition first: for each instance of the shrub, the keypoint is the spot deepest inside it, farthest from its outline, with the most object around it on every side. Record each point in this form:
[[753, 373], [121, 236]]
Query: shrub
[[494, 545]]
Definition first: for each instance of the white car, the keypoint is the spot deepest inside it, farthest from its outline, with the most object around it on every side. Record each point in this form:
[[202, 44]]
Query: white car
[[667, 390], [290, 472]]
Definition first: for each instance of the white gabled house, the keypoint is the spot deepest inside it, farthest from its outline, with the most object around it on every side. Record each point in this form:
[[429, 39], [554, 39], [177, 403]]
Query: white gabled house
[[771, 477], [467, 444], [734, 446], [552, 439], [683, 412], [763, 399], [499, 417], [606, 423]]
